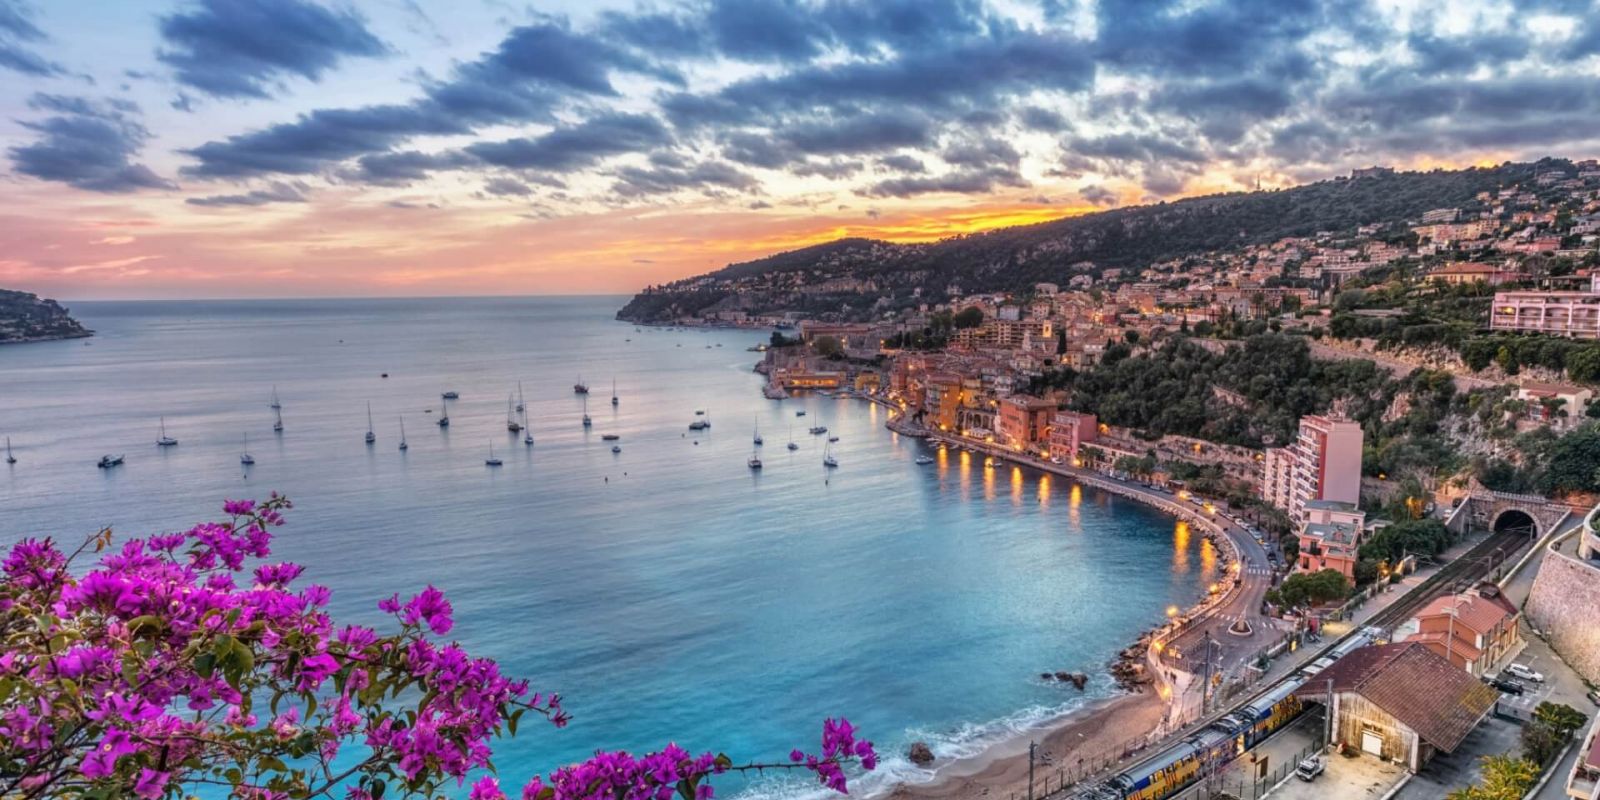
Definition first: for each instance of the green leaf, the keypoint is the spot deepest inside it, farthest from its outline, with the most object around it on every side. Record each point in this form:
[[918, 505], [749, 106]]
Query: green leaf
[[511, 722], [378, 787]]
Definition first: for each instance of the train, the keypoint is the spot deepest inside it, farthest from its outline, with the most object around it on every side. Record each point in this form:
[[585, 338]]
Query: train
[[1180, 765]]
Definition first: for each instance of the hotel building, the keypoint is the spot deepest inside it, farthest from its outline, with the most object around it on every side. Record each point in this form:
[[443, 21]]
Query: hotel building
[[1324, 463]]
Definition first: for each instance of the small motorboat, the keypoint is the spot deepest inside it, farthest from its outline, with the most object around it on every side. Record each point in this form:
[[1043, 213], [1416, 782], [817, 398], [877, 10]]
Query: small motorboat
[[754, 463], [924, 460], [800, 413], [609, 437], [818, 430], [793, 446], [451, 396], [833, 438], [444, 421], [616, 448], [107, 462]]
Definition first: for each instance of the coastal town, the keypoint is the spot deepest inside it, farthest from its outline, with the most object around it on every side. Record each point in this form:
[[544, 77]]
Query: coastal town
[[1412, 574], [24, 317]]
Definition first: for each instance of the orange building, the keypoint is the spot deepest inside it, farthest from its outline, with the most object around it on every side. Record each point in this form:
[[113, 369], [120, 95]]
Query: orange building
[[1070, 430], [1330, 537], [1024, 421], [1476, 631]]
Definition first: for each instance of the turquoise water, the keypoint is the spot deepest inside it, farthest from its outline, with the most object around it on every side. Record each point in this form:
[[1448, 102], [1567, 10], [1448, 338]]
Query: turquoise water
[[668, 593]]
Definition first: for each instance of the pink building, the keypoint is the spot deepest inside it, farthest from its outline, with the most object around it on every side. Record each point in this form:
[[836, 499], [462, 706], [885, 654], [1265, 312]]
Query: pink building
[[1324, 463], [1071, 430], [1575, 315]]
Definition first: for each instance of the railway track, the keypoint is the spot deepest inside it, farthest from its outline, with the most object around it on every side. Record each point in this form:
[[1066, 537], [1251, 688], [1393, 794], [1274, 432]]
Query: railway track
[[1495, 550]]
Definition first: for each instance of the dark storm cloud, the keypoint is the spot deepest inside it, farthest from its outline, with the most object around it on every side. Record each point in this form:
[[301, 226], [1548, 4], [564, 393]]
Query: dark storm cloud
[[86, 145], [968, 181], [577, 146], [277, 192], [16, 31], [240, 48], [1173, 37]]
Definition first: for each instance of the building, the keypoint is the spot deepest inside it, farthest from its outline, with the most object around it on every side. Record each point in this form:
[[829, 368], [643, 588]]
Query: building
[[1575, 315], [1399, 702], [1583, 783], [1330, 537], [1070, 431], [1023, 421], [1478, 632], [1473, 272], [1324, 463], [1554, 401]]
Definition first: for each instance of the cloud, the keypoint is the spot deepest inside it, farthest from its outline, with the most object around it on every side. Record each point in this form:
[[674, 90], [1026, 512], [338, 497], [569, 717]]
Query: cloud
[[277, 192], [1098, 195], [507, 187], [241, 48], [574, 147], [900, 162], [965, 181], [707, 175], [86, 145], [16, 31], [310, 143]]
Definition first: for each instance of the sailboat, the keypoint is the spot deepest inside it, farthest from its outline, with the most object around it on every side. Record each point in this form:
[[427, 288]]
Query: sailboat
[[10, 459], [586, 421], [521, 406], [491, 461], [511, 420], [444, 414], [371, 437], [792, 445], [403, 446], [755, 458], [275, 403], [165, 440], [614, 400], [527, 430], [244, 455], [827, 456], [580, 387], [277, 422], [756, 438]]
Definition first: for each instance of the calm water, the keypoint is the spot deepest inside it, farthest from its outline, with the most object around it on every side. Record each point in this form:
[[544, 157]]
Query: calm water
[[666, 591]]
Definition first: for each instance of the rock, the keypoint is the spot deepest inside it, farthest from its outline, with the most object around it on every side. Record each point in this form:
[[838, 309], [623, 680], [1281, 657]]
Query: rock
[[1079, 680], [1064, 677], [1045, 676], [920, 754]]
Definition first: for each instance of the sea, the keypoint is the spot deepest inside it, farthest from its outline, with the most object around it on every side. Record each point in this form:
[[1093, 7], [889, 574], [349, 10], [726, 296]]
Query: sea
[[667, 591]]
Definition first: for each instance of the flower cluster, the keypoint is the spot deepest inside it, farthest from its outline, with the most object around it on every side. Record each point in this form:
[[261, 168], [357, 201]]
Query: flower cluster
[[156, 670]]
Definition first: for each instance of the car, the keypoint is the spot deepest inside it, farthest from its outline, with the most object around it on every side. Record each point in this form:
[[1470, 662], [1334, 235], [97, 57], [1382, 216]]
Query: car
[[1594, 696], [1524, 672], [1507, 686], [1310, 767]]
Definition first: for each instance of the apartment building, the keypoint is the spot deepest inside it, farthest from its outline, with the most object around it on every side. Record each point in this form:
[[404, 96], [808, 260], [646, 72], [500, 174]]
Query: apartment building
[[1575, 315], [1323, 463]]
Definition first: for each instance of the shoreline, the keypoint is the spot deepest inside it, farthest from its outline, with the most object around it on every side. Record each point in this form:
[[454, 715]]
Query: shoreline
[[1084, 741]]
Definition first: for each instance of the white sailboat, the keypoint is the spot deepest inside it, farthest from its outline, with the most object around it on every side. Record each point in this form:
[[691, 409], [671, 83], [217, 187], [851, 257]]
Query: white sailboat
[[403, 446], [755, 438], [275, 403], [492, 460], [755, 459], [792, 445], [277, 422], [371, 437], [244, 454], [827, 456], [444, 414], [10, 459], [586, 421], [521, 406], [165, 440], [614, 400]]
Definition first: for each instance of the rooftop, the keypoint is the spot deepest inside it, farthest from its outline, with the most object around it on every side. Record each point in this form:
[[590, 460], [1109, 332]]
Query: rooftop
[[1416, 686]]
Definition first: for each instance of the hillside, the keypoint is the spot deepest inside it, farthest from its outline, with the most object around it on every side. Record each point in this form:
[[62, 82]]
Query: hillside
[[26, 318], [852, 277]]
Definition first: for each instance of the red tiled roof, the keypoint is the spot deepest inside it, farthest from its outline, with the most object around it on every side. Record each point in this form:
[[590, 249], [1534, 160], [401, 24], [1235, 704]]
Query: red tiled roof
[[1480, 614], [1415, 685]]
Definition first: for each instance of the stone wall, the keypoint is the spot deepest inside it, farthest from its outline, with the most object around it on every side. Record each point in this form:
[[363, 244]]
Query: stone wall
[[1565, 605]]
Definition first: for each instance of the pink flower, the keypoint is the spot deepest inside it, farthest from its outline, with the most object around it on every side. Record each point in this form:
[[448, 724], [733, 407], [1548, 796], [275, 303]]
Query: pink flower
[[151, 784]]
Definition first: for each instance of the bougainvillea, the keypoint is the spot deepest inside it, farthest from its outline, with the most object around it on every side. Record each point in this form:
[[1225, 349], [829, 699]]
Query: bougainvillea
[[170, 665]]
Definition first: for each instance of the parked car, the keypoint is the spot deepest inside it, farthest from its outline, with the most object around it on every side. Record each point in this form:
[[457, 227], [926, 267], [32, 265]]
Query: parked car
[[1594, 696], [1310, 767], [1523, 672], [1507, 686]]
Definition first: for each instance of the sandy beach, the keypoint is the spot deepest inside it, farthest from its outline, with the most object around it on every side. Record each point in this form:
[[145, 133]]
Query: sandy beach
[[1079, 741]]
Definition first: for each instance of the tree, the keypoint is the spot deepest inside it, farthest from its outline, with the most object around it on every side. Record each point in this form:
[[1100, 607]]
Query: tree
[[165, 666], [1131, 336], [1317, 587], [1549, 730], [827, 346], [969, 317], [1504, 778]]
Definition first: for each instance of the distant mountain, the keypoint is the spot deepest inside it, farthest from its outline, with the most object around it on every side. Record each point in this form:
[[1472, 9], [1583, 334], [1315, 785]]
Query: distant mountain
[[26, 318], [851, 277]]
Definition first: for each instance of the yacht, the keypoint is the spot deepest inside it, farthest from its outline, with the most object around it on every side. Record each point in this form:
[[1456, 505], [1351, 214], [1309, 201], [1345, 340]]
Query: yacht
[[10, 459], [586, 421], [755, 461], [165, 440], [277, 422], [827, 457], [756, 438], [610, 437], [800, 413], [924, 459], [512, 424], [371, 437], [107, 462], [792, 445], [403, 446], [818, 430], [580, 387], [616, 448], [492, 460], [244, 455], [833, 438], [699, 425], [614, 400], [450, 396]]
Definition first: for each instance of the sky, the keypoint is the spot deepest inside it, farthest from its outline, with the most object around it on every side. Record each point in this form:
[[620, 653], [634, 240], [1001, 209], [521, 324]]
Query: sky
[[286, 148]]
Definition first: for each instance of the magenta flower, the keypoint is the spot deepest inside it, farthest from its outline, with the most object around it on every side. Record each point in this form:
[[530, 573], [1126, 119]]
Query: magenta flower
[[429, 605]]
